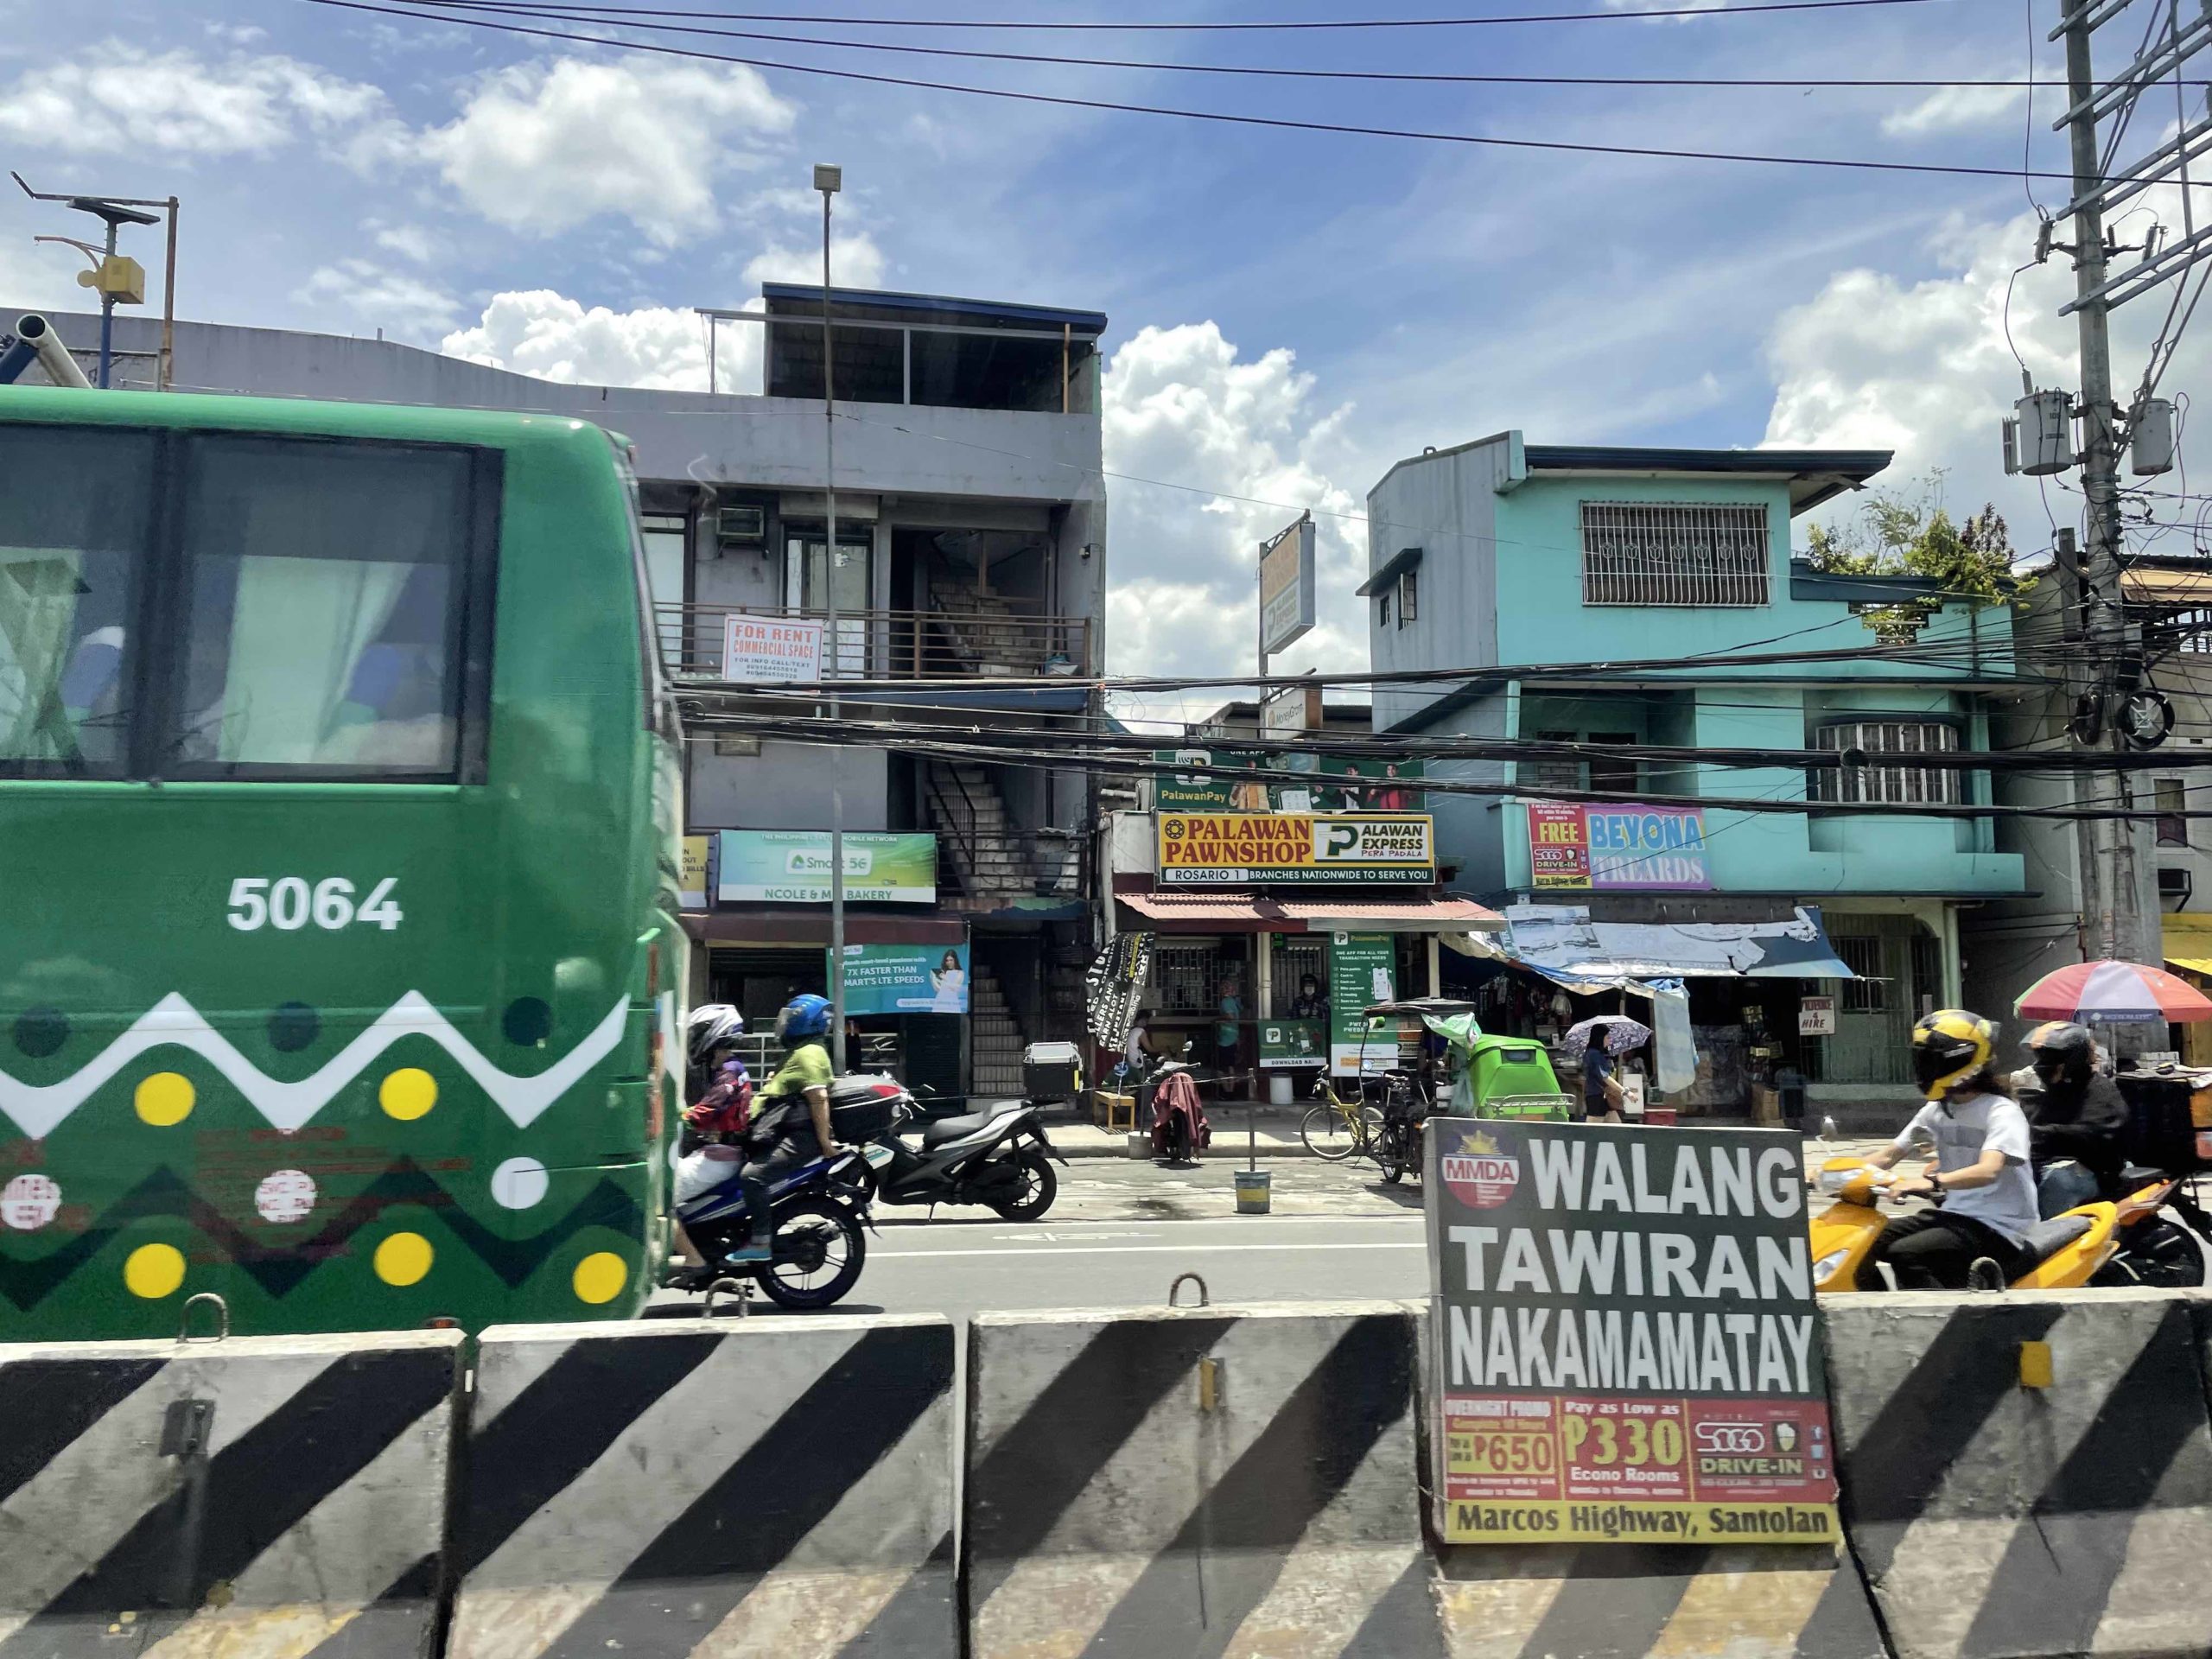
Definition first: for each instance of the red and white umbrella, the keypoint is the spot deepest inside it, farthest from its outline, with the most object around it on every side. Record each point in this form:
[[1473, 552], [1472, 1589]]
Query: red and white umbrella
[[2113, 992]]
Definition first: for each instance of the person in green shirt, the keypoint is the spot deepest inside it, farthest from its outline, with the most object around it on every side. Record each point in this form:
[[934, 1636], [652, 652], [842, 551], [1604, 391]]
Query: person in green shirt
[[790, 1118]]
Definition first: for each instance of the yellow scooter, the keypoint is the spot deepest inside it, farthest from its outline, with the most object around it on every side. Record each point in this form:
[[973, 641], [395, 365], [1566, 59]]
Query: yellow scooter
[[2067, 1249]]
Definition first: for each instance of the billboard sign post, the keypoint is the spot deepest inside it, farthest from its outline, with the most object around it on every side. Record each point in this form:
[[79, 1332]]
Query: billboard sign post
[[1626, 1340], [1286, 588]]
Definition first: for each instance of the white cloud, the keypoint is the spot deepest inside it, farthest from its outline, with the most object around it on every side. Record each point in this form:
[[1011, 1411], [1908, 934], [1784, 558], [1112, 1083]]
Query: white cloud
[[409, 241], [544, 148], [40, 276], [393, 301], [1923, 366], [1181, 406], [115, 99], [855, 262], [1953, 109], [555, 338]]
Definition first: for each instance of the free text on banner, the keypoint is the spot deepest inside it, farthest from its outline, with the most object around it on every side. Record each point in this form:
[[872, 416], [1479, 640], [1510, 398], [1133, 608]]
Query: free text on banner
[[1626, 1336]]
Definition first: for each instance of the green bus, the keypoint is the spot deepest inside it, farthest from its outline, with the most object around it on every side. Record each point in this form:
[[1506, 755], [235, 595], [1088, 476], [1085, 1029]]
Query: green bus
[[340, 959]]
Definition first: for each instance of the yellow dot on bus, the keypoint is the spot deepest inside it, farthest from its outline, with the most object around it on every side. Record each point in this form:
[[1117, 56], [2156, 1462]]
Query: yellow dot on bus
[[408, 1093], [599, 1277], [164, 1098], [153, 1271], [402, 1258]]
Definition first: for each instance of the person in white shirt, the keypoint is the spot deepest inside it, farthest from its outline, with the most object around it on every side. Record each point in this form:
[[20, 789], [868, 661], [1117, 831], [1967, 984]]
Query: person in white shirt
[[1982, 1172]]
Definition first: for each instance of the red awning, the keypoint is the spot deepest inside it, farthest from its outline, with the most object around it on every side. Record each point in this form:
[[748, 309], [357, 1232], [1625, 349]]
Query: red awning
[[1225, 912]]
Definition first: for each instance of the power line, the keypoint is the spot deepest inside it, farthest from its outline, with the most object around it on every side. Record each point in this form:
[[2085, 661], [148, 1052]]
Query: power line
[[820, 733], [1252, 26], [562, 12], [1223, 118]]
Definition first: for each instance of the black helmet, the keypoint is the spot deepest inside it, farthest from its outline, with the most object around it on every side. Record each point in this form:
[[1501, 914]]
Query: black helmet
[[1948, 1046], [2060, 1050]]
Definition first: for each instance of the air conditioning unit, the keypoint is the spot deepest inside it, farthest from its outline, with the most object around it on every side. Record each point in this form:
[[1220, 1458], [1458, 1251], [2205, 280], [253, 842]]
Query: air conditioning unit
[[741, 524], [2177, 886]]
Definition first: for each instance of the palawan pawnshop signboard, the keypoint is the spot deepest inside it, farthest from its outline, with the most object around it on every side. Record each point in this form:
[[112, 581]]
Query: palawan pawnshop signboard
[[1626, 1336]]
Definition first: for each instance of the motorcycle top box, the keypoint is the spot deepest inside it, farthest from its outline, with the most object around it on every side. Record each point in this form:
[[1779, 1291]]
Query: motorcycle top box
[[861, 1108]]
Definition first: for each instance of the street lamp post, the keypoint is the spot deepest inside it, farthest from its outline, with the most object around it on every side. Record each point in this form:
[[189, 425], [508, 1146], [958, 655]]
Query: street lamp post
[[829, 181]]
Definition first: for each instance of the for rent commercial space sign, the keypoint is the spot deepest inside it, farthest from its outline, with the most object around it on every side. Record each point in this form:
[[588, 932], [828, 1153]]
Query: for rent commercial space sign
[[1626, 1337]]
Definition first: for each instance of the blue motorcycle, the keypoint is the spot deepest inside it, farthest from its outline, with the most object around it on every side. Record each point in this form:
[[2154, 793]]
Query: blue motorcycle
[[818, 1244]]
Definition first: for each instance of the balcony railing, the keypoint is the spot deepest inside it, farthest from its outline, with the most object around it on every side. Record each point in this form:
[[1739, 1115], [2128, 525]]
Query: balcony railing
[[1001, 642]]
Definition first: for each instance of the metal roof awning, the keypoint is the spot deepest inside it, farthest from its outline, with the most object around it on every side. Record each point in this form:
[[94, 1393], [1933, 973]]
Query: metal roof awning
[[2186, 941], [1561, 943], [1245, 912]]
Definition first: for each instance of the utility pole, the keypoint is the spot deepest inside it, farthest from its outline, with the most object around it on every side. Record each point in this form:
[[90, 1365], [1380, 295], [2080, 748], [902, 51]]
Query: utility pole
[[2119, 916], [829, 181]]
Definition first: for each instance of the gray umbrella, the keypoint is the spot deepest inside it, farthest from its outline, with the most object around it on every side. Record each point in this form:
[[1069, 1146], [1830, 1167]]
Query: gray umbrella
[[1622, 1033]]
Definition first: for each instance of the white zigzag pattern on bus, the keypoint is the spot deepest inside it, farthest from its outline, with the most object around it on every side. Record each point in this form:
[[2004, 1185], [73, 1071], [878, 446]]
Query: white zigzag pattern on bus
[[38, 1110]]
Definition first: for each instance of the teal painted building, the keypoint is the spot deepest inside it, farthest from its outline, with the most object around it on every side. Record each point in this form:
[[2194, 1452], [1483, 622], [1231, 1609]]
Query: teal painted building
[[1653, 575]]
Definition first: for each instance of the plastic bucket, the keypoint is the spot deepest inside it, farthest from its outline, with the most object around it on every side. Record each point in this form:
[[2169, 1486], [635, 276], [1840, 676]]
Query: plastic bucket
[[1281, 1088], [1252, 1191]]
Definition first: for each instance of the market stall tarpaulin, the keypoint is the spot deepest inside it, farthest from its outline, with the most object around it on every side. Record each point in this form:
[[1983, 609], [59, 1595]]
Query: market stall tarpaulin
[[1626, 1337]]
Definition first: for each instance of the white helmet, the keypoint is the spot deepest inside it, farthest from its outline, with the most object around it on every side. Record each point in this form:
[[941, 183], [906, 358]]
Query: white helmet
[[711, 1025]]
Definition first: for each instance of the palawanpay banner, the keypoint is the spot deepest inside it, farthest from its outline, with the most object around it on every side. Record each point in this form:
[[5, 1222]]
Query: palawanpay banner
[[1626, 1337]]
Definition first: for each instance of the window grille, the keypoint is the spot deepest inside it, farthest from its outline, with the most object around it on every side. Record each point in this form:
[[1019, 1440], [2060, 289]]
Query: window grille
[[1862, 954], [1890, 783], [1634, 553]]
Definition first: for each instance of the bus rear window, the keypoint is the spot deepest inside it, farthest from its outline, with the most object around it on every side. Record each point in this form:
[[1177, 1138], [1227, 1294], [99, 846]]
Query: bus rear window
[[74, 514], [323, 588]]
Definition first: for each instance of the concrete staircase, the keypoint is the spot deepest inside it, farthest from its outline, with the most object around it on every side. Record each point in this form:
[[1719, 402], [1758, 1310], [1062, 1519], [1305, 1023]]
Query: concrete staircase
[[993, 1039], [984, 632], [989, 859]]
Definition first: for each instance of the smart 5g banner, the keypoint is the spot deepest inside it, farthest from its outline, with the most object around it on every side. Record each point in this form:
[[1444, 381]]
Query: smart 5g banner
[[1626, 1337]]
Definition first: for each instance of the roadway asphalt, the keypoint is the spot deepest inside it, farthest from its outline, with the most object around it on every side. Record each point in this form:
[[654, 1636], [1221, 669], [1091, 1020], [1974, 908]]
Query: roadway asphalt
[[1118, 1233]]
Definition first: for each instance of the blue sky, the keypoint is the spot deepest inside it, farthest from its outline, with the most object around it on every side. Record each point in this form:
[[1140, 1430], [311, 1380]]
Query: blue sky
[[1291, 312]]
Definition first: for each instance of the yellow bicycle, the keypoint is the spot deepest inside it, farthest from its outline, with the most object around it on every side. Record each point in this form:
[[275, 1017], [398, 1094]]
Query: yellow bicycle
[[1338, 1129]]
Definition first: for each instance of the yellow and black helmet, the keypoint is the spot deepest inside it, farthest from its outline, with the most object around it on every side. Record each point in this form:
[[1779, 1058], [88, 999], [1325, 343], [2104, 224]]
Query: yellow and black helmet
[[1948, 1046]]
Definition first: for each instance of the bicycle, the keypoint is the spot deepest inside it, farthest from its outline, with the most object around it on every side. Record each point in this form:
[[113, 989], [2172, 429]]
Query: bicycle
[[1338, 1129]]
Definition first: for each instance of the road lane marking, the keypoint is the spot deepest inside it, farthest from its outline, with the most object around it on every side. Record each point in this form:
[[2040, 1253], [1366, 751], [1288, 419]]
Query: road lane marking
[[1152, 1250]]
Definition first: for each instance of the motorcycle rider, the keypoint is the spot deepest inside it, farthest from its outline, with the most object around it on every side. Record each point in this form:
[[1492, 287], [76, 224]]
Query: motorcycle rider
[[790, 1119], [2076, 1118], [719, 1093], [1980, 1140]]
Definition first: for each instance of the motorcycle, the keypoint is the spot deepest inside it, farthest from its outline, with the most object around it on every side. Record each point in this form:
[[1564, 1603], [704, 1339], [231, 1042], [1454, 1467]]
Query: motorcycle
[[2163, 1238], [818, 1247], [1395, 1146], [2068, 1251], [999, 1157], [1180, 1129]]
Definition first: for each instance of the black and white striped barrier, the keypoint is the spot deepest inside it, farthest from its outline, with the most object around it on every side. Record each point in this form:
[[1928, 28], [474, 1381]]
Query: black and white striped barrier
[[719, 1488], [1196, 1481], [2029, 1474], [278, 1498], [1624, 1601]]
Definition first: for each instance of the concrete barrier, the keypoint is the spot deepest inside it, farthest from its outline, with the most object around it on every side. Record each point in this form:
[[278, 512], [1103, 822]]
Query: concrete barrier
[[253, 1498], [1626, 1601], [1997, 1519], [1200, 1481], [763, 1487]]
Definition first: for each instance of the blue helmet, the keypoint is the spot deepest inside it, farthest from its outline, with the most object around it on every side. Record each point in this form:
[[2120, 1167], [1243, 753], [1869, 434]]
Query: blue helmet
[[802, 1016]]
